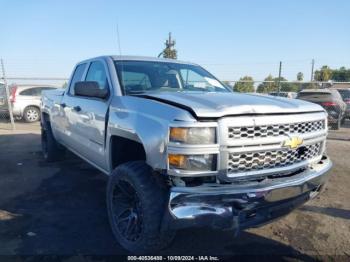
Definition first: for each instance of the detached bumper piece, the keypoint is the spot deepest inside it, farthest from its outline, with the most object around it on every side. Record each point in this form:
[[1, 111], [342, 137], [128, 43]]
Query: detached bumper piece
[[240, 206]]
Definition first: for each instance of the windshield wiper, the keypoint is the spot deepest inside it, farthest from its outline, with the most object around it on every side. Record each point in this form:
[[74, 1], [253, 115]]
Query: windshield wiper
[[134, 92]]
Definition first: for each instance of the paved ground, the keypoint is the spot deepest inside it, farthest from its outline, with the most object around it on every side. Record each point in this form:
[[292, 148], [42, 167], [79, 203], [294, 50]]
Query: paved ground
[[60, 209]]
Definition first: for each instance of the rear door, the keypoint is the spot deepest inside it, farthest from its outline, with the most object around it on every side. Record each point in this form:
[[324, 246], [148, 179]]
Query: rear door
[[87, 117], [59, 113]]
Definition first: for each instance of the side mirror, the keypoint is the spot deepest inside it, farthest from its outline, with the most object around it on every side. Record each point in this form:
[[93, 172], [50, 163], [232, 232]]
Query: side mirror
[[90, 89]]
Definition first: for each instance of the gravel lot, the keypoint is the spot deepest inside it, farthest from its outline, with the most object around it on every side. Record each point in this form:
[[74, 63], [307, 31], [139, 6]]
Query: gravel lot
[[60, 209]]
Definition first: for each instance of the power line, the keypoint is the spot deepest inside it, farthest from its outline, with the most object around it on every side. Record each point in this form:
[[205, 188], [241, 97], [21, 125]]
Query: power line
[[312, 69]]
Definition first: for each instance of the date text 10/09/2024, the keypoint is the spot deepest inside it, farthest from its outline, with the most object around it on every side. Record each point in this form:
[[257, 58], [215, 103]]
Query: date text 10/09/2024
[[173, 258]]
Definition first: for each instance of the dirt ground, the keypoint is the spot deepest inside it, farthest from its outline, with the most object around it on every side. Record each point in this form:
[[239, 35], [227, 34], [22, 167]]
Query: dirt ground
[[60, 209]]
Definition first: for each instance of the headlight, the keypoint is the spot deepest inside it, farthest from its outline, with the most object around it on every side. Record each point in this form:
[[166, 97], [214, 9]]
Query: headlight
[[192, 162], [192, 135]]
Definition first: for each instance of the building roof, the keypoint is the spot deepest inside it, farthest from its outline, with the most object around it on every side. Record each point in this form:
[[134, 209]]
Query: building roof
[[323, 90], [340, 85]]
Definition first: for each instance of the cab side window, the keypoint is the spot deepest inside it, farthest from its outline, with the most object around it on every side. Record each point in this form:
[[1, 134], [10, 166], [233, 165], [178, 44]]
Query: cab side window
[[98, 74], [78, 74]]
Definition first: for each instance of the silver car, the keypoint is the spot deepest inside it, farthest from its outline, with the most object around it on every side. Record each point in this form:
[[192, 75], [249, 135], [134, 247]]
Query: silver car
[[345, 94], [25, 101], [2, 94]]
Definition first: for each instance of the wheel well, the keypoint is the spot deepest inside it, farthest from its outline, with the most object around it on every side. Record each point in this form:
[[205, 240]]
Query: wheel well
[[31, 106], [45, 119], [124, 150]]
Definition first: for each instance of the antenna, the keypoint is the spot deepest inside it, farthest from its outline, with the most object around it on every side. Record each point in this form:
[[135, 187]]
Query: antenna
[[120, 54], [118, 40]]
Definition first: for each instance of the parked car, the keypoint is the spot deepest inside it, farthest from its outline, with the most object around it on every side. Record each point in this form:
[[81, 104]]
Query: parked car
[[2, 94], [3, 101], [181, 150], [25, 101], [345, 94], [330, 100], [284, 94]]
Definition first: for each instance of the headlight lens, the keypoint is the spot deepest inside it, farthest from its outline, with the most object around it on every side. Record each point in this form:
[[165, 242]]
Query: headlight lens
[[192, 135], [192, 162]]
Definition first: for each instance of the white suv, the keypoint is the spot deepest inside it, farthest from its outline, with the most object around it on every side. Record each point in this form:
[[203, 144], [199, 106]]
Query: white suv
[[26, 99]]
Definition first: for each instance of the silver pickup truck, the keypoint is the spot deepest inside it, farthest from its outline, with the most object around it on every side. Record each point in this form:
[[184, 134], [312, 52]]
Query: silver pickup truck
[[182, 150]]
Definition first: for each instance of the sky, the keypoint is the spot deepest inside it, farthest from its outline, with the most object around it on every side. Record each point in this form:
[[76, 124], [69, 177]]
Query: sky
[[229, 38]]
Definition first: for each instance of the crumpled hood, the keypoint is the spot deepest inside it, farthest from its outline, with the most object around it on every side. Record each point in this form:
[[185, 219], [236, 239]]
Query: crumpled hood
[[214, 105]]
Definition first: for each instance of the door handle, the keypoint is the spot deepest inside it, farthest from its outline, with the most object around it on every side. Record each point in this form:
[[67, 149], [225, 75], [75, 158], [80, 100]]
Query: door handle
[[63, 105], [77, 108]]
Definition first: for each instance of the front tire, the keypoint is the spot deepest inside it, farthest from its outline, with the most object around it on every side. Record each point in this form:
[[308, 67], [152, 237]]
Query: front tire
[[136, 205]]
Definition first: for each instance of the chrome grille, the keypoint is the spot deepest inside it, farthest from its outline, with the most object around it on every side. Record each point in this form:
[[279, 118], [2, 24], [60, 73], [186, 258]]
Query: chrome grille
[[251, 161], [275, 130]]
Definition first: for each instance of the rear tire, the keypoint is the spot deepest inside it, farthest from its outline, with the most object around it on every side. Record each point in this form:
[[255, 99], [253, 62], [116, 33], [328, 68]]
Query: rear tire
[[343, 120], [31, 114], [336, 125], [136, 204], [52, 150]]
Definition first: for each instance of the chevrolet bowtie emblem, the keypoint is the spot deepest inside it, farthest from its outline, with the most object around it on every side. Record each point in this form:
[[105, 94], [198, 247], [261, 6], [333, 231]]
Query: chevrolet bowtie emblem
[[293, 142]]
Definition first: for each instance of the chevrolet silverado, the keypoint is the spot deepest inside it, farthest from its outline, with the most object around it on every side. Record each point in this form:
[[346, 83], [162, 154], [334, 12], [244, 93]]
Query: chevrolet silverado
[[182, 150]]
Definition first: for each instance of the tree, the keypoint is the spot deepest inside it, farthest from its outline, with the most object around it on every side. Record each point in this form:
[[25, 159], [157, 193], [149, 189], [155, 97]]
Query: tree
[[244, 85], [64, 85], [288, 87], [169, 50], [342, 74], [324, 74], [300, 76], [268, 87]]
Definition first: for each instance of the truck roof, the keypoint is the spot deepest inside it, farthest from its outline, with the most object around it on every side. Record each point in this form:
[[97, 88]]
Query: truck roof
[[140, 58], [149, 58]]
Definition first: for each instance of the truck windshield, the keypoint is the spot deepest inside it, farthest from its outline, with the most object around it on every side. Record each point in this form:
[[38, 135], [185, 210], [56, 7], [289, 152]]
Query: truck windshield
[[146, 76]]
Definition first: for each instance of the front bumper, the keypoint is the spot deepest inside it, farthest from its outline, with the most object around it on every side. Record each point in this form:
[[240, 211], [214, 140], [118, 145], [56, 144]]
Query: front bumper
[[241, 206]]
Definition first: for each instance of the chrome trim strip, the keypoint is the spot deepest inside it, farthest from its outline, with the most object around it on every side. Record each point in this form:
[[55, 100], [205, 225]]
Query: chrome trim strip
[[271, 140], [276, 170]]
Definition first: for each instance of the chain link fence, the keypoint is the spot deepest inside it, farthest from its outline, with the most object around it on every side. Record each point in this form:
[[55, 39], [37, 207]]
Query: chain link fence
[[6, 114], [20, 99], [333, 96], [4, 110]]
